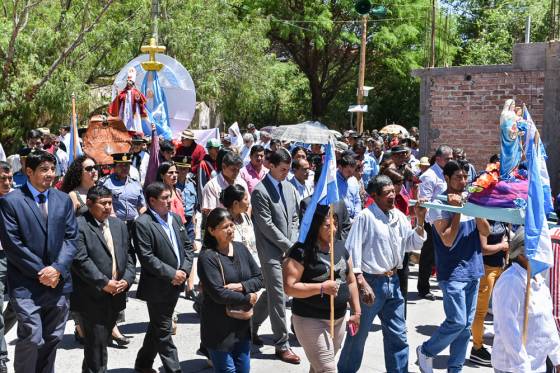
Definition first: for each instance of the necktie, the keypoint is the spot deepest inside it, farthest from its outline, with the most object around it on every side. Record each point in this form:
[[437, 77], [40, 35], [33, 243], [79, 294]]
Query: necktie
[[43, 205], [282, 196], [109, 241]]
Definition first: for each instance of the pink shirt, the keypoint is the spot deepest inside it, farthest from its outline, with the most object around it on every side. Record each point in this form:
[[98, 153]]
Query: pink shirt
[[251, 176]]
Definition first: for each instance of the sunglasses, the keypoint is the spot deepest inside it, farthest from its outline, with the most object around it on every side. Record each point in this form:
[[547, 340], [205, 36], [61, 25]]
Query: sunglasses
[[90, 168]]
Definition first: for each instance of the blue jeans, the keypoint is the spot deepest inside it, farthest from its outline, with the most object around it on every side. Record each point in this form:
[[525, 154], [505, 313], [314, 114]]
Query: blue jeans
[[237, 360], [459, 304], [389, 306]]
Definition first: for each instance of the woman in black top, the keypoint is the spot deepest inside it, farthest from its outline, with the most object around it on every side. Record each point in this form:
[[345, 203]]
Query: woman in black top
[[227, 339], [494, 249], [306, 278]]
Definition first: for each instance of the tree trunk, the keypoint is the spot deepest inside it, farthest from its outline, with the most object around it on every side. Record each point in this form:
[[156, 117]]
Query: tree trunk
[[318, 104]]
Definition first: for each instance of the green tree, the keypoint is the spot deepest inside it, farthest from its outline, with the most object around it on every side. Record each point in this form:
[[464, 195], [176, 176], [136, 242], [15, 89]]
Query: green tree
[[490, 28]]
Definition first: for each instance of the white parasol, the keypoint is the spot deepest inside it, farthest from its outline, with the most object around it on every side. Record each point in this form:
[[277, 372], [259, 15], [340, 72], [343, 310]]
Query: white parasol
[[309, 132]]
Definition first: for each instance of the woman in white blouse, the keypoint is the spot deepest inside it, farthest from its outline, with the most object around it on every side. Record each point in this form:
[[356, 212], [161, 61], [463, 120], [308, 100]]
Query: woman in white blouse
[[508, 305]]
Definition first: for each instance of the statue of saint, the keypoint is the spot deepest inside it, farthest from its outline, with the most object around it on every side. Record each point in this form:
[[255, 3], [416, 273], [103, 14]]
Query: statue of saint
[[511, 148], [130, 105]]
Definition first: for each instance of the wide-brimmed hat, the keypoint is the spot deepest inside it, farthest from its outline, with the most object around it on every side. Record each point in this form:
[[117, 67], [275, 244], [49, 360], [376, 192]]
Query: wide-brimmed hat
[[137, 139], [424, 161], [187, 134]]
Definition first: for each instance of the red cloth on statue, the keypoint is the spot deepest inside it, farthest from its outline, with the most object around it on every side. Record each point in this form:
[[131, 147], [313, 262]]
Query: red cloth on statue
[[137, 98]]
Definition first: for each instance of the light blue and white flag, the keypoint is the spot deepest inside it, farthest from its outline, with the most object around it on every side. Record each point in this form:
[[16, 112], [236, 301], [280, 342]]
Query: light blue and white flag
[[326, 191], [156, 106], [538, 246], [530, 134]]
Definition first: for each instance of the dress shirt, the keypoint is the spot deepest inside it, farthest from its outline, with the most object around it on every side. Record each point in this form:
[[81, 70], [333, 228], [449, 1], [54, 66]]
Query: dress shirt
[[109, 241], [251, 176], [211, 192], [168, 228], [349, 192], [377, 241], [303, 190], [36, 193], [432, 184], [371, 168], [508, 306]]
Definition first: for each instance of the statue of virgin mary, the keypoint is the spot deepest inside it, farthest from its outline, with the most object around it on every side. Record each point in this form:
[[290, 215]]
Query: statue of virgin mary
[[510, 153]]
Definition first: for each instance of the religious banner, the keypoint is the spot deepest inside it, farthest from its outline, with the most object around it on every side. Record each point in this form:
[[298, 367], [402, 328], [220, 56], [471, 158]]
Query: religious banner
[[105, 136]]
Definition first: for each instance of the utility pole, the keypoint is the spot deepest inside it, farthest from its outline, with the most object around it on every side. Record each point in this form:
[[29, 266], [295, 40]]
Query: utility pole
[[155, 16], [362, 73], [446, 40], [433, 54]]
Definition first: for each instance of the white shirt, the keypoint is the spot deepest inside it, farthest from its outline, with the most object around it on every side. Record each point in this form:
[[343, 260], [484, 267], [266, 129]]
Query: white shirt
[[303, 190], [508, 306], [432, 184], [377, 242], [211, 192], [168, 228]]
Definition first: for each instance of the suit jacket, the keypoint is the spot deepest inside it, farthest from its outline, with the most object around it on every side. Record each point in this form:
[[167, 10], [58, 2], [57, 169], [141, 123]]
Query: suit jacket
[[158, 260], [32, 243], [276, 228], [341, 212], [93, 266]]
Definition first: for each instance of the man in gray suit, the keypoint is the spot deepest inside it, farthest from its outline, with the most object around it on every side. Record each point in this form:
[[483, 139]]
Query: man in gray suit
[[276, 222]]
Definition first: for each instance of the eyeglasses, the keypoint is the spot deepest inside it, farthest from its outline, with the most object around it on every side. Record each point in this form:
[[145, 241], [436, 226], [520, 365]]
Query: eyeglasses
[[90, 168]]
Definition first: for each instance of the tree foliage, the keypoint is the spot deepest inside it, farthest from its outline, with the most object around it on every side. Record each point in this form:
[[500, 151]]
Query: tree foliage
[[490, 28]]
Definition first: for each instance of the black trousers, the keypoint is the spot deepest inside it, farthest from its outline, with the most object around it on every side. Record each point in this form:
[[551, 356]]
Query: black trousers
[[96, 339], [158, 339], [427, 261]]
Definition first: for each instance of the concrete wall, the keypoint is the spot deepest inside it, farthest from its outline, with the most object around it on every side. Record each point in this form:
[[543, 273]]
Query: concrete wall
[[461, 106]]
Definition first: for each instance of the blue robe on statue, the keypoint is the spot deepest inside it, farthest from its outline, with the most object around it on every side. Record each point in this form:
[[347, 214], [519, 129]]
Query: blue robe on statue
[[510, 154]]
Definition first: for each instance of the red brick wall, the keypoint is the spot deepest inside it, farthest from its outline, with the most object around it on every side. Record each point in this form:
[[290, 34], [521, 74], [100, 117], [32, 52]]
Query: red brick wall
[[466, 113]]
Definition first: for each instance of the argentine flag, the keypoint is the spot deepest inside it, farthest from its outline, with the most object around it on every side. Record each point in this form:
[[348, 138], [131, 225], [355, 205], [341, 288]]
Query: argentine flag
[[156, 106], [538, 246], [326, 191]]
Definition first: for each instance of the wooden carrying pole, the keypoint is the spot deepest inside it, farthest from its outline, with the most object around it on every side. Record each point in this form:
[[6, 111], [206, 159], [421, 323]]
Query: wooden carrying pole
[[331, 249], [74, 126]]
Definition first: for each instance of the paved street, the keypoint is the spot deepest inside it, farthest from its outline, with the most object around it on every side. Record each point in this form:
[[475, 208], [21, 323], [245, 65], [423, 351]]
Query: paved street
[[423, 318]]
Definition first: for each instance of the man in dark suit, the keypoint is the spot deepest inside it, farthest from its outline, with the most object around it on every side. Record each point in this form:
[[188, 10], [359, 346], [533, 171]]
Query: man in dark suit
[[276, 223], [166, 255], [38, 231], [103, 270]]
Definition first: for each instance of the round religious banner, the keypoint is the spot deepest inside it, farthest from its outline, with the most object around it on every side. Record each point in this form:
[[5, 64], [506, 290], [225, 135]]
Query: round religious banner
[[169, 92]]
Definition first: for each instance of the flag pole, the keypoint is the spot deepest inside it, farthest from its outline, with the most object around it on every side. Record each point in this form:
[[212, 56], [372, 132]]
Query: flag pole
[[331, 244], [527, 299], [74, 126]]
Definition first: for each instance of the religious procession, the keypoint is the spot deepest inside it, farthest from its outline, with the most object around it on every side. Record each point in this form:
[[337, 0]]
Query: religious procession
[[219, 239]]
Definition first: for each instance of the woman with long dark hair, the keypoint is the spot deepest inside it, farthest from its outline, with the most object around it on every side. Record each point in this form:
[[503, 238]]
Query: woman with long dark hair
[[306, 278], [236, 200], [81, 176], [168, 174], [230, 280]]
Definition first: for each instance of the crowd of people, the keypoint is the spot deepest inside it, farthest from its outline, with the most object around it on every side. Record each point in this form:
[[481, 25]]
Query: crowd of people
[[219, 224]]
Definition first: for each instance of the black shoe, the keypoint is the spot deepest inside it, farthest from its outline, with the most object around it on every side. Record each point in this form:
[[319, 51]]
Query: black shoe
[[481, 357], [257, 341], [428, 296], [77, 337], [3, 367], [121, 341]]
